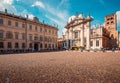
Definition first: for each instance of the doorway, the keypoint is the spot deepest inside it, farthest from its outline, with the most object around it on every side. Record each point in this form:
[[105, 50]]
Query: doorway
[[36, 47]]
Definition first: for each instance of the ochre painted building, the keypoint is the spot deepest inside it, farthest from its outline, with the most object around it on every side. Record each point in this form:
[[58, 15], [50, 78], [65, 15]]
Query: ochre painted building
[[17, 32]]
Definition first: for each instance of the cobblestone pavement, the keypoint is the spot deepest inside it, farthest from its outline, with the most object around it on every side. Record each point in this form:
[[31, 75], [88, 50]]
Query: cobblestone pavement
[[60, 67]]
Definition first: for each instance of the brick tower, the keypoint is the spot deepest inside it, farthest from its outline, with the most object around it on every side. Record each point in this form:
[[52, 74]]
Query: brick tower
[[111, 26]]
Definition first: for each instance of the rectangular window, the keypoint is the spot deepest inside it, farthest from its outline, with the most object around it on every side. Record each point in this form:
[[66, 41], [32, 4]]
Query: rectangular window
[[1, 34], [23, 45], [1, 21], [9, 35], [23, 25], [76, 35], [35, 38], [45, 30], [9, 45], [30, 37], [97, 43], [30, 27], [40, 29], [16, 36], [16, 24], [16, 45], [36, 28], [9, 22], [49, 31], [1, 45]]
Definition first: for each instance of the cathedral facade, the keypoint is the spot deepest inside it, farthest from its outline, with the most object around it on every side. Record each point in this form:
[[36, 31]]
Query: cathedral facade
[[78, 31]]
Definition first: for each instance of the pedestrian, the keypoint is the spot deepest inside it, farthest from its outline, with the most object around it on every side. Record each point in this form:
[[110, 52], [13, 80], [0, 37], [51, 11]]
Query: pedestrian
[[113, 49]]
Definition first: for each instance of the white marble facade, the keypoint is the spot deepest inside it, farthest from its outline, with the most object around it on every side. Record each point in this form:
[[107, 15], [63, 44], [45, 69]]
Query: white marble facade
[[78, 31]]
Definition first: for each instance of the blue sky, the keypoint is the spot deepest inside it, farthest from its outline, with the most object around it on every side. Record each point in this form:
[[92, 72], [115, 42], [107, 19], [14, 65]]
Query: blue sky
[[57, 12]]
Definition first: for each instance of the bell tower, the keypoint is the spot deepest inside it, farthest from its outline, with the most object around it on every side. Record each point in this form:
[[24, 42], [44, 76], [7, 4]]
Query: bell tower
[[111, 22], [111, 26]]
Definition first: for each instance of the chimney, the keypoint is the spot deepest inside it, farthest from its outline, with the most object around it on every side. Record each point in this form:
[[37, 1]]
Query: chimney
[[43, 21], [27, 16], [36, 19], [5, 10], [88, 17]]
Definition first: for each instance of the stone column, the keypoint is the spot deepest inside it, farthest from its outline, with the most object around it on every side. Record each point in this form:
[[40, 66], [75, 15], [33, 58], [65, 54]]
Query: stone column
[[4, 35], [82, 35], [32, 46], [88, 39], [101, 37], [71, 38], [38, 46], [79, 38], [67, 39]]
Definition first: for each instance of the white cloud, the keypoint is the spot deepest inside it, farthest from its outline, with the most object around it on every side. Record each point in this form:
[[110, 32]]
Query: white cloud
[[58, 22], [63, 2], [25, 13], [30, 16], [55, 14], [63, 31], [8, 1], [61, 14], [52, 10], [118, 18], [39, 4], [7, 4], [71, 18]]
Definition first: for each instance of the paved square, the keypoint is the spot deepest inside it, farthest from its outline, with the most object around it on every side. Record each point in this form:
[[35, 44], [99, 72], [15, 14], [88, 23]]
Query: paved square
[[60, 67]]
